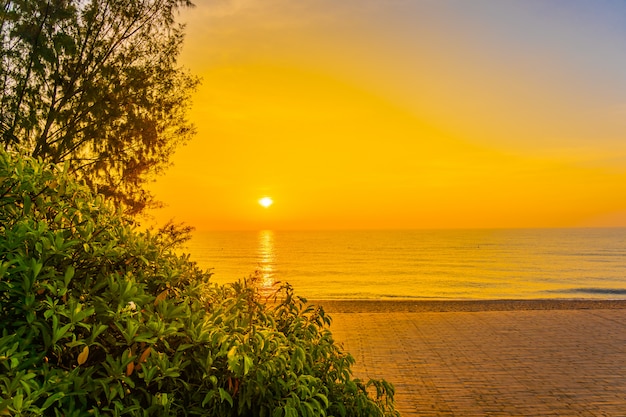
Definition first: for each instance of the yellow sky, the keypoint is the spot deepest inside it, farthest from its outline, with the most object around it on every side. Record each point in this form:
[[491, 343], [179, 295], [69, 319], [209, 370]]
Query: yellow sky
[[395, 114]]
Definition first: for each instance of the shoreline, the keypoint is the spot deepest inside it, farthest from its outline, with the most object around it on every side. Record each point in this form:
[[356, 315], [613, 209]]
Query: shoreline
[[416, 306]]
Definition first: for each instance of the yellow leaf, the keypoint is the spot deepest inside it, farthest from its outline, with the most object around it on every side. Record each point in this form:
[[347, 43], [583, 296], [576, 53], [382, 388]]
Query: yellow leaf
[[144, 355], [82, 357], [160, 297], [131, 366]]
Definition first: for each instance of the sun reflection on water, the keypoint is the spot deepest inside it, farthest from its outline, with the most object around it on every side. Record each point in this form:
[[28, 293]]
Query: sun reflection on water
[[267, 259]]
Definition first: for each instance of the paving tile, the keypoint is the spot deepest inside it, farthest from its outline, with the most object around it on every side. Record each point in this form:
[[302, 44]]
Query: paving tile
[[493, 363]]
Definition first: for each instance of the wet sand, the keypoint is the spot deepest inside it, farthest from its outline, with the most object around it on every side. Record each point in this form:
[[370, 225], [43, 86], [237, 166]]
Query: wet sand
[[490, 358]]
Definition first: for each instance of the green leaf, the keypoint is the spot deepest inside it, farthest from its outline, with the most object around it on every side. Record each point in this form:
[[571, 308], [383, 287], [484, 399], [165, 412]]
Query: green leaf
[[60, 333], [290, 411], [129, 331], [97, 330], [208, 397], [52, 399], [309, 409], [4, 267], [36, 267], [233, 359], [18, 402], [247, 364], [225, 396], [323, 398], [28, 203], [69, 274]]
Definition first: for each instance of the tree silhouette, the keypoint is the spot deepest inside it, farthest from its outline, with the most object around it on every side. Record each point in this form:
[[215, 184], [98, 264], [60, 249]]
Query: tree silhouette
[[95, 83]]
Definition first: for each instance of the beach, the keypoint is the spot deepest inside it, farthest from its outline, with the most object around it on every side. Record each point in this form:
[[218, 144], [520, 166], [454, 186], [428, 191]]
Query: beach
[[490, 358]]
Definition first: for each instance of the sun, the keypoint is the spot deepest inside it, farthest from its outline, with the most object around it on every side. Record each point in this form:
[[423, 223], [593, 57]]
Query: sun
[[266, 201]]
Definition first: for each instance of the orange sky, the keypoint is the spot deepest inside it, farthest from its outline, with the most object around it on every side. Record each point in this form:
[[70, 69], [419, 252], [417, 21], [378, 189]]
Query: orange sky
[[394, 114]]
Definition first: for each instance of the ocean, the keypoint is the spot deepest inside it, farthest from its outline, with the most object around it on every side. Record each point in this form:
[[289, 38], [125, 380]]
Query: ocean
[[423, 264]]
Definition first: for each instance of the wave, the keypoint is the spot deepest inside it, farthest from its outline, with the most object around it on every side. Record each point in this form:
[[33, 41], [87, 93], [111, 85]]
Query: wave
[[607, 291]]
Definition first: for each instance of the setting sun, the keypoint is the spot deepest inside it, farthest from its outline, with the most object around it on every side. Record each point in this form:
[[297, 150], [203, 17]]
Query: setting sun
[[266, 201]]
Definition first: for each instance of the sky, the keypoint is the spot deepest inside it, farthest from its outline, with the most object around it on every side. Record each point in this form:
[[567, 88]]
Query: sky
[[402, 114]]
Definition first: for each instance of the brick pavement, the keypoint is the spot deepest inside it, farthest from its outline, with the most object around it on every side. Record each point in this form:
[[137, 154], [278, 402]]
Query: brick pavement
[[494, 363]]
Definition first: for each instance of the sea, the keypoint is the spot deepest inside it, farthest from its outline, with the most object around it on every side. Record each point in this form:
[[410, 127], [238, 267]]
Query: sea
[[580, 263]]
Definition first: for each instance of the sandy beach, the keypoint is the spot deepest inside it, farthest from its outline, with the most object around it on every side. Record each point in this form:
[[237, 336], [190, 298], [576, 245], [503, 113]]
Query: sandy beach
[[490, 358]]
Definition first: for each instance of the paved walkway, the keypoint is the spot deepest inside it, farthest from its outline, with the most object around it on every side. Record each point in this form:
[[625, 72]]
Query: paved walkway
[[493, 363]]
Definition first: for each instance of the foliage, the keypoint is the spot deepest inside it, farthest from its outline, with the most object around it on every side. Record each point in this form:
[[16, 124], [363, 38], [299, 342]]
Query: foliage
[[95, 82], [98, 318]]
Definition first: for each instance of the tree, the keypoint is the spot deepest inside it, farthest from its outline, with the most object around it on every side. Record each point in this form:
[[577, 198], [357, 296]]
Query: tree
[[99, 318], [95, 83]]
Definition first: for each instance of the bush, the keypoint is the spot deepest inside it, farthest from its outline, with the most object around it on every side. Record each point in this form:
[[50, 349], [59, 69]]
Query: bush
[[101, 319]]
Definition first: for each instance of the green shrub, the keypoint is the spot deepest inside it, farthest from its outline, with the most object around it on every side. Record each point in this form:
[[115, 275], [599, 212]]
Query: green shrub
[[100, 319]]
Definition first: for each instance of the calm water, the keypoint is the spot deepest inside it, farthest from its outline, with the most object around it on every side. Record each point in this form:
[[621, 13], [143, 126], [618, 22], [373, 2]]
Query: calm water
[[443, 264]]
